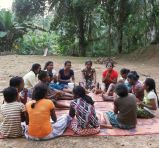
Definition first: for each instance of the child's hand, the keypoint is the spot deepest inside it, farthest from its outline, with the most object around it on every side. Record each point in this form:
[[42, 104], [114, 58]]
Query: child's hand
[[141, 104]]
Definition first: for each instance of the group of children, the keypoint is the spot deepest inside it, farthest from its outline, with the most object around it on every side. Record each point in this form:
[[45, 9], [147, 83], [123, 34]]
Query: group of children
[[29, 102]]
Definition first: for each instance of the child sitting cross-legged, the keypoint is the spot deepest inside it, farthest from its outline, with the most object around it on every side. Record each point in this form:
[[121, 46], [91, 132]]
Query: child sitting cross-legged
[[124, 115], [13, 113], [148, 108], [39, 112], [53, 94], [82, 107]]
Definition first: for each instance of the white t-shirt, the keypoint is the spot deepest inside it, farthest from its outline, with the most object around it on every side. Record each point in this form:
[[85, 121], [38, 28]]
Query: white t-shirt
[[30, 80], [54, 72], [151, 95]]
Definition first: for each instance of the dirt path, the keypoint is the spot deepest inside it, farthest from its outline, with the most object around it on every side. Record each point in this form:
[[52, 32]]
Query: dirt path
[[19, 65]]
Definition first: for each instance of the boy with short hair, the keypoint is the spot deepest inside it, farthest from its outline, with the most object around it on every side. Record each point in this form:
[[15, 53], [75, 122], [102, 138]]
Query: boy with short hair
[[124, 115], [13, 113]]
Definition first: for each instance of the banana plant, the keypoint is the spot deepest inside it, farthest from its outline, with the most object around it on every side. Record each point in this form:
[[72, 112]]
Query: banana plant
[[9, 30]]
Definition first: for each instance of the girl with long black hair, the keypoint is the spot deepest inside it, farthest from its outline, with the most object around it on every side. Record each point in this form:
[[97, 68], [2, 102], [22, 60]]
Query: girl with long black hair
[[86, 122], [148, 108]]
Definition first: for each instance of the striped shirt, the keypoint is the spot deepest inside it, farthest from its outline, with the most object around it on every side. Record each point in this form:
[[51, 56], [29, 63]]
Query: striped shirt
[[11, 113]]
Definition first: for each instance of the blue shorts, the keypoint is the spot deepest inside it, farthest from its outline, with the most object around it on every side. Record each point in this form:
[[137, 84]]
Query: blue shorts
[[114, 121], [57, 86]]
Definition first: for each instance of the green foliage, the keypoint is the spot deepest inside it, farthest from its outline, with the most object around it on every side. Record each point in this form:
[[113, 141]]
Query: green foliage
[[9, 30], [6, 19], [25, 9], [80, 27], [35, 43]]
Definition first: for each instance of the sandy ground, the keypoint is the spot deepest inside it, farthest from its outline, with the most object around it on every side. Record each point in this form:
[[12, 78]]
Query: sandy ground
[[19, 65]]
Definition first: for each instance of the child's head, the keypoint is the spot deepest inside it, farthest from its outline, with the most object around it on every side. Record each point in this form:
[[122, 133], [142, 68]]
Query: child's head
[[121, 90], [36, 68], [39, 92], [79, 92], [67, 64], [49, 66], [133, 77], [17, 82], [10, 94], [44, 76], [149, 84], [110, 65], [88, 64], [124, 72]]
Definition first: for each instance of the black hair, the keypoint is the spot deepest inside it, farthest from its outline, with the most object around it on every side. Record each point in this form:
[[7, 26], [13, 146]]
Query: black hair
[[35, 67], [42, 75], [121, 90], [88, 62], [80, 92], [151, 86], [66, 62], [133, 75], [47, 64], [124, 71], [15, 81], [110, 62], [39, 92], [10, 94]]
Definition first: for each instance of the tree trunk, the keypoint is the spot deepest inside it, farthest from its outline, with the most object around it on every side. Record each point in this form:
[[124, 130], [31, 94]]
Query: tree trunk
[[155, 39], [120, 40], [81, 32], [121, 20], [110, 35]]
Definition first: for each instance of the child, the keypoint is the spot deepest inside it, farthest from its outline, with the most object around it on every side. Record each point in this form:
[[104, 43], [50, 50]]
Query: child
[[39, 112], [52, 94], [137, 88], [89, 75], [64, 77], [124, 74], [147, 108], [86, 122], [49, 67], [13, 113], [109, 75], [18, 83], [30, 79], [109, 95], [124, 115], [66, 74]]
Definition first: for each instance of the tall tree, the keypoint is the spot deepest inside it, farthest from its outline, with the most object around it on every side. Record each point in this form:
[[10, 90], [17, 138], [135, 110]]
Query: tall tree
[[123, 9]]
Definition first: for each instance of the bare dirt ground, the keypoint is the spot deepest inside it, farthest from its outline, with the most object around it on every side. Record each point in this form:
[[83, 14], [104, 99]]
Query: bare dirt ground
[[19, 65]]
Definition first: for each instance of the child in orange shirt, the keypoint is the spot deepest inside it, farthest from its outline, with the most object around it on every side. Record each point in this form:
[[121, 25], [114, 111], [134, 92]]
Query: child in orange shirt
[[39, 112]]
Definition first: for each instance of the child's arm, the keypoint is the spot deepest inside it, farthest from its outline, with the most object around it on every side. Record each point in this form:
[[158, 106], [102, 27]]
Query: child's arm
[[115, 107], [27, 118], [53, 115], [23, 117], [23, 113], [107, 77], [73, 79], [151, 105], [113, 80], [83, 76], [72, 112], [94, 77]]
